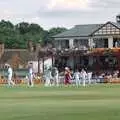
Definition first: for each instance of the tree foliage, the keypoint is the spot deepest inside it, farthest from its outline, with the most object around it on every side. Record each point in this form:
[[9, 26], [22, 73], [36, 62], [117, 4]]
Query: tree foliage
[[17, 36]]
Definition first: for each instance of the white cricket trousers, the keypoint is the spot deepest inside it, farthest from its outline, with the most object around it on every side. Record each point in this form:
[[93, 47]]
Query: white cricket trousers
[[56, 78], [47, 82], [77, 81], [30, 80], [83, 80], [89, 80], [10, 82]]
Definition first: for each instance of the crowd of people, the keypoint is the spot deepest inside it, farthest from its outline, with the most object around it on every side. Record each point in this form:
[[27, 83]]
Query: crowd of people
[[107, 76], [52, 76], [78, 77]]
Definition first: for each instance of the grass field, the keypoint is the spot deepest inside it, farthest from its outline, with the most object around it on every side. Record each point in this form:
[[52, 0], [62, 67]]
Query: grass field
[[98, 102]]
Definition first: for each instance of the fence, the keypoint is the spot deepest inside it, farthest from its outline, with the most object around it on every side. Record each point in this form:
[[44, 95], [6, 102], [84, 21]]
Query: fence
[[19, 76]]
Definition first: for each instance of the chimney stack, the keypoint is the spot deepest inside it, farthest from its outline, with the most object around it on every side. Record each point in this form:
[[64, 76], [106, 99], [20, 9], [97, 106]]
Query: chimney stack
[[30, 46], [118, 18]]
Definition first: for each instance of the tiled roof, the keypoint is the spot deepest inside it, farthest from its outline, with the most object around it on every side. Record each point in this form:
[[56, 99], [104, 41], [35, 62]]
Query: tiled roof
[[83, 30], [23, 54], [79, 31]]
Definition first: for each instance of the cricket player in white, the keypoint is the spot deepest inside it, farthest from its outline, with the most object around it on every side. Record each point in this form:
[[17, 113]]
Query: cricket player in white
[[48, 77], [10, 73], [56, 76], [76, 77], [30, 76], [83, 76], [89, 76]]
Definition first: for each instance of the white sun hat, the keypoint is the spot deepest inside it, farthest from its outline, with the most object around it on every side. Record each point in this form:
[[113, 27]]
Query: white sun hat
[[6, 64], [66, 68]]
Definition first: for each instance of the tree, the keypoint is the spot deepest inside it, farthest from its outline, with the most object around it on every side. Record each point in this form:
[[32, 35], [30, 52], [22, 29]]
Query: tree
[[35, 28], [7, 33], [17, 36], [6, 24], [30, 32], [22, 27]]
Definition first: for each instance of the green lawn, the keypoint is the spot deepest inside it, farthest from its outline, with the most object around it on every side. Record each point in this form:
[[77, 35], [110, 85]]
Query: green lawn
[[98, 102]]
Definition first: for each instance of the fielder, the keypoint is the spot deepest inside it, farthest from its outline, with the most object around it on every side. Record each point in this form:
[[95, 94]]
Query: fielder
[[76, 77], [89, 76], [30, 76], [48, 77], [10, 74], [83, 76], [55, 75]]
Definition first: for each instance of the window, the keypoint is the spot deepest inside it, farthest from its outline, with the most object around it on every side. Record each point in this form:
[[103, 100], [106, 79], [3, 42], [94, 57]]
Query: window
[[105, 43]]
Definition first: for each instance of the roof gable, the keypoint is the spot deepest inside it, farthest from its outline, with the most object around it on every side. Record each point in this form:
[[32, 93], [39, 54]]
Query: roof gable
[[109, 28]]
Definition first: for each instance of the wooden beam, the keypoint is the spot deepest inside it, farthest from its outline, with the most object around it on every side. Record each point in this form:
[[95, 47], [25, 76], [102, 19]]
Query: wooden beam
[[38, 65], [43, 64]]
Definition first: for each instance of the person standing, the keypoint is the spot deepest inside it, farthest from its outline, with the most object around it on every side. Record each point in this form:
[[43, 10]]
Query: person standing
[[30, 76], [56, 76], [10, 74], [76, 77], [48, 77], [89, 76], [83, 76], [68, 76]]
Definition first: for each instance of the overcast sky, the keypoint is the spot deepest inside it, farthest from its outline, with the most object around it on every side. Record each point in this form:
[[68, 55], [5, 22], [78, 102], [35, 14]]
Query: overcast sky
[[62, 13]]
